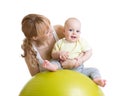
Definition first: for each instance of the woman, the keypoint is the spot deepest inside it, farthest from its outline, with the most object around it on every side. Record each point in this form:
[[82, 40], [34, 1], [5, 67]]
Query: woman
[[39, 40]]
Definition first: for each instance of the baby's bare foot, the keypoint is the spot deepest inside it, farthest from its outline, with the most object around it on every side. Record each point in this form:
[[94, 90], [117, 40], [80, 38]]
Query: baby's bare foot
[[47, 65], [100, 82]]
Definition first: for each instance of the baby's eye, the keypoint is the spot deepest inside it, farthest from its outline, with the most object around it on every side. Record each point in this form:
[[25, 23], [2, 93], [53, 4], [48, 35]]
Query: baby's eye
[[70, 30], [78, 31]]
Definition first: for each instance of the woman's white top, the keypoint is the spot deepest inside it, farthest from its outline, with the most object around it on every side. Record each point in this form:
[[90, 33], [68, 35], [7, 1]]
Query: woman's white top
[[38, 55]]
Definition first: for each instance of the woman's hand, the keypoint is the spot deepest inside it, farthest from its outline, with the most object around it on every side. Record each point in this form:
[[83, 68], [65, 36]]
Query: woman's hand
[[78, 62]]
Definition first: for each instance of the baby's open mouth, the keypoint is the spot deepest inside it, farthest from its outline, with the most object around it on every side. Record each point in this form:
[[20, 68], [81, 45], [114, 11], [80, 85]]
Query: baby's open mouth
[[73, 37]]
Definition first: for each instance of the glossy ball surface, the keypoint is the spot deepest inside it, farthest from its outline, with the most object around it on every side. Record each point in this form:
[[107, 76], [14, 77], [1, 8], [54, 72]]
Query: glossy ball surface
[[61, 83]]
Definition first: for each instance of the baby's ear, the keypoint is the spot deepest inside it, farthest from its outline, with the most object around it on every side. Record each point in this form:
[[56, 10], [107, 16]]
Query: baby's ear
[[63, 31], [35, 38]]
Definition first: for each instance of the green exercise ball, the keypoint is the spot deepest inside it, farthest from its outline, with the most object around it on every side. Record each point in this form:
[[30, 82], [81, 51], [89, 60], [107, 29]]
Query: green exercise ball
[[61, 83]]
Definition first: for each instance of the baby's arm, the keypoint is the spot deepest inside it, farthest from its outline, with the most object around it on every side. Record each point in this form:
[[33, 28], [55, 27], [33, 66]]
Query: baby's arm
[[62, 55], [57, 53]]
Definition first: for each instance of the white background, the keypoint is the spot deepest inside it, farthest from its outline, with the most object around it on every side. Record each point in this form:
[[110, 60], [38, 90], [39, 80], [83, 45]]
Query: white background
[[100, 26]]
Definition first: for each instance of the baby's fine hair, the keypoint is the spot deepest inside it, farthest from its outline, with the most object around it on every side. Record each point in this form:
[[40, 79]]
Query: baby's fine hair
[[71, 19]]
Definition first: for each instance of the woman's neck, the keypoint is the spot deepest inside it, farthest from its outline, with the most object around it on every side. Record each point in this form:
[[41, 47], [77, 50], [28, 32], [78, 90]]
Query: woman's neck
[[40, 44]]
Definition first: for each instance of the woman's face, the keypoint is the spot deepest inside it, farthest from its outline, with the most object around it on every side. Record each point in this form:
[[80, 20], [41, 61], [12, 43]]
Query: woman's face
[[48, 33], [45, 34]]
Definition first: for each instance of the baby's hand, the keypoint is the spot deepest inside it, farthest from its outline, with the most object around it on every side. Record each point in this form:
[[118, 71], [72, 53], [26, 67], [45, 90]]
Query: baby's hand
[[64, 55]]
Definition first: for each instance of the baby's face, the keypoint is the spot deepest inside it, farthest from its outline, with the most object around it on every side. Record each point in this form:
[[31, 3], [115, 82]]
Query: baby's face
[[72, 31]]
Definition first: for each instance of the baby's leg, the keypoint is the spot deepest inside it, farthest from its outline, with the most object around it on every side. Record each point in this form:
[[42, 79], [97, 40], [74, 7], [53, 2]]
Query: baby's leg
[[68, 64], [94, 74], [100, 82], [49, 66]]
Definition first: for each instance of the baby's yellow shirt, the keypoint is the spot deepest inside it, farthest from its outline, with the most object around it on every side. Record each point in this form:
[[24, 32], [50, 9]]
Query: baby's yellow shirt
[[74, 48]]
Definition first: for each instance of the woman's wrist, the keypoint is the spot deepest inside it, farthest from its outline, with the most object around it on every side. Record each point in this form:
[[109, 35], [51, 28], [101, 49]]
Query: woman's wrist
[[79, 61]]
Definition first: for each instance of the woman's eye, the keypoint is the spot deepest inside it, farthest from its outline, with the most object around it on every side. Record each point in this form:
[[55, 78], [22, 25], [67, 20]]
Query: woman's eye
[[46, 32]]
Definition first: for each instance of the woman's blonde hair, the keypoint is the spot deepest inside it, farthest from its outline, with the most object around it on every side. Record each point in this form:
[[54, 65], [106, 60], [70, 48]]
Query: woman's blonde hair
[[32, 26]]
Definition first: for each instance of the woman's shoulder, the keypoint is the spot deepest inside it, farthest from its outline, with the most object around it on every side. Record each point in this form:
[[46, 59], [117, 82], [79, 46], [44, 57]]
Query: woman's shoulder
[[59, 30]]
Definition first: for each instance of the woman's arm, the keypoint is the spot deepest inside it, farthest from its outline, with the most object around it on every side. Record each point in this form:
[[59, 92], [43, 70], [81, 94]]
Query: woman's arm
[[86, 55], [59, 30], [83, 58]]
